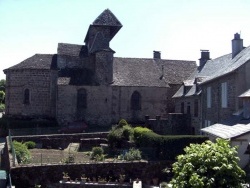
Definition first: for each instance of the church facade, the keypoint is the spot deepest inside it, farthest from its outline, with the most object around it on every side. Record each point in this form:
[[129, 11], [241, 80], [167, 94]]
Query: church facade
[[87, 83]]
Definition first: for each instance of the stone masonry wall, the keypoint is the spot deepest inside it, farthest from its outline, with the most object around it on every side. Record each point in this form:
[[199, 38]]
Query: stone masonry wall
[[98, 111], [190, 101], [107, 105], [39, 83], [216, 113], [153, 102]]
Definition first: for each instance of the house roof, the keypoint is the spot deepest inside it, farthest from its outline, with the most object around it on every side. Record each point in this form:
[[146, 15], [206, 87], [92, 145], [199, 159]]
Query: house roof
[[245, 94], [150, 72], [225, 64], [216, 68], [37, 61], [227, 132]]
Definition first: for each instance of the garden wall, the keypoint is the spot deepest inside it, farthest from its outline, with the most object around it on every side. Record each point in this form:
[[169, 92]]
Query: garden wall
[[58, 140], [48, 174], [27, 176]]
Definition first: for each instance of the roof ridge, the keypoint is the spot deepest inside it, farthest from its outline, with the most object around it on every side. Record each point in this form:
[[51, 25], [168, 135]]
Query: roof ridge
[[154, 59]]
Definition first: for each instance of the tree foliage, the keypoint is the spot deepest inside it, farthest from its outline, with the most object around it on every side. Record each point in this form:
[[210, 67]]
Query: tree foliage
[[2, 96], [2, 84], [208, 165]]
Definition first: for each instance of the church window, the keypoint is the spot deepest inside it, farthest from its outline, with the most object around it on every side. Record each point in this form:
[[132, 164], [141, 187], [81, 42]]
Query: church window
[[81, 98], [136, 101], [26, 96]]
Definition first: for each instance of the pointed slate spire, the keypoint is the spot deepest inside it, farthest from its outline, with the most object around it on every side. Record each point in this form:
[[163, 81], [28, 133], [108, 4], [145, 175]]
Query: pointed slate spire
[[107, 18]]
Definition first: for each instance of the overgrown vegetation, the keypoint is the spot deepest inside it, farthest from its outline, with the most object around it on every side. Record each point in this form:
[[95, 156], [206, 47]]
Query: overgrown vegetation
[[163, 147], [22, 152], [208, 165], [30, 144], [133, 154], [122, 132], [97, 154]]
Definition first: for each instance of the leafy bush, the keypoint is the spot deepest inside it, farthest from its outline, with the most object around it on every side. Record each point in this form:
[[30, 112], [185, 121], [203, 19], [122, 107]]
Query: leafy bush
[[132, 154], [22, 152], [139, 131], [208, 165], [2, 107], [128, 132], [122, 123], [30, 144], [96, 152], [115, 137], [123, 131]]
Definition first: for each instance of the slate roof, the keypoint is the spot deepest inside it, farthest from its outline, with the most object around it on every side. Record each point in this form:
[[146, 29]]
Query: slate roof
[[150, 72], [72, 50], [106, 19], [217, 68], [227, 132], [225, 64], [37, 61], [245, 94]]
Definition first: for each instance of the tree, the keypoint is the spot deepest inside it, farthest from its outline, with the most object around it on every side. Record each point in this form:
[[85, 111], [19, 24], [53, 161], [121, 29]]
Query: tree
[[2, 96], [208, 165], [2, 84]]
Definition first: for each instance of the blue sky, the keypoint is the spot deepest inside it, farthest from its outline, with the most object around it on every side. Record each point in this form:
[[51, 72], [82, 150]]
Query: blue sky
[[177, 28]]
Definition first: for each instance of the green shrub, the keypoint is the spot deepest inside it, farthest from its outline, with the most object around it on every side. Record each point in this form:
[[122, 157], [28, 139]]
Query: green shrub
[[139, 131], [132, 154], [96, 152], [30, 144], [2, 107], [122, 123], [115, 137], [128, 132], [118, 134], [22, 152]]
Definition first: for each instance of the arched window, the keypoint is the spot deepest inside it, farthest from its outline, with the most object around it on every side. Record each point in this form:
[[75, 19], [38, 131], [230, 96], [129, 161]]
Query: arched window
[[26, 96], [136, 101], [81, 98]]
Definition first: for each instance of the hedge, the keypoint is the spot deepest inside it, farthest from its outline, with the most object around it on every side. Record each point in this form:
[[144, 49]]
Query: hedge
[[167, 147]]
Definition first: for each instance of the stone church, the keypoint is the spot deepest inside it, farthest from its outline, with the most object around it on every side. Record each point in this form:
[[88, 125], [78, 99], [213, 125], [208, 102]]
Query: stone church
[[87, 83]]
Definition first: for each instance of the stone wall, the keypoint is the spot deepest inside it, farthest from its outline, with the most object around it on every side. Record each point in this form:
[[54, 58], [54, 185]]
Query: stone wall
[[216, 113], [28, 176], [195, 118], [174, 124], [107, 105], [42, 97]]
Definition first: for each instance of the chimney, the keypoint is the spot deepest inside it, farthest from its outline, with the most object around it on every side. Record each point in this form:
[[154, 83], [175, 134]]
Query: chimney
[[237, 45], [157, 55], [205, 56]]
